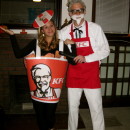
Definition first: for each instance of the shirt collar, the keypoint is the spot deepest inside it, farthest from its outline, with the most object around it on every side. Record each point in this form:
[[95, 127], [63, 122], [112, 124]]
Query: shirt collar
[[83, 24]]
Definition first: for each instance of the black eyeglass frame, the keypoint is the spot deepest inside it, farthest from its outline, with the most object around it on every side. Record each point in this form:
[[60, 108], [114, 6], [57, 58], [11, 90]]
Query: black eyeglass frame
[[74, 11]]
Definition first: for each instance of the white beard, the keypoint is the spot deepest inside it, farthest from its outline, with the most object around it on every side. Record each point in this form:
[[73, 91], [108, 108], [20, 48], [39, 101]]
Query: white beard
[[77, 18]]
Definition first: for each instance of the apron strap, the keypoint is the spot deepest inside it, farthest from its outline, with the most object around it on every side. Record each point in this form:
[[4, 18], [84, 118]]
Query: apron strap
[[61, 46], [38, 50]]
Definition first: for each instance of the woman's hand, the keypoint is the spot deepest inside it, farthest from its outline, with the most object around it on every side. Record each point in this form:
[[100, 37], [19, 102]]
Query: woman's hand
[[68, 41], [7, 31]]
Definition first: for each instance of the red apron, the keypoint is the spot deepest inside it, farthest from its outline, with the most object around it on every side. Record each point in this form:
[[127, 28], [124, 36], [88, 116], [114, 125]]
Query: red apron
[[83, 75]]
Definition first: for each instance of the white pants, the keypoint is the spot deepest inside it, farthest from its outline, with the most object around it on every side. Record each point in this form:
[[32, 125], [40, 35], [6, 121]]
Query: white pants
[[94, 99]]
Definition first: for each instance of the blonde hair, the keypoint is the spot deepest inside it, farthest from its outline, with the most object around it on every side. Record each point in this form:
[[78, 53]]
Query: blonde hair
[[43, 43]]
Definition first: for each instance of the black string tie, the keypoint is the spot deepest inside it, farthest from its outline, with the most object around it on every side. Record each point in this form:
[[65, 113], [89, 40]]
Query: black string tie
[[78, 32]]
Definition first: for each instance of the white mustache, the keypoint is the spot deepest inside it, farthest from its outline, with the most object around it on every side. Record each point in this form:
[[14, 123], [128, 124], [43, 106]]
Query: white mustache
[[77, 18]]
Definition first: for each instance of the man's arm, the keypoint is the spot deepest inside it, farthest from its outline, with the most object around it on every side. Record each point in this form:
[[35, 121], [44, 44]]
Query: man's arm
[[99, 45]]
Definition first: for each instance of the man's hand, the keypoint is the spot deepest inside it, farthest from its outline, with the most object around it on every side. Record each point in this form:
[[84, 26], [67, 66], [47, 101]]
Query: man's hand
[[79, 59]]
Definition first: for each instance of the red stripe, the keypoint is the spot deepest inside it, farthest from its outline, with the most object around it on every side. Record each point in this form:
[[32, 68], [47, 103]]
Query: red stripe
[[40, 15], [45, 99], [45, 20], [79, 39], [35, 24], [50, 12]]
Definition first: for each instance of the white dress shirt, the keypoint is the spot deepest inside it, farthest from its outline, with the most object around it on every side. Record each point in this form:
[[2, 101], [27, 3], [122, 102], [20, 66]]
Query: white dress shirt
[[98, 40]]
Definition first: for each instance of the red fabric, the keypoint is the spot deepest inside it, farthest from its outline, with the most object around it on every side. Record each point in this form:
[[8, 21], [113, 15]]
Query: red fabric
[[83, 75]]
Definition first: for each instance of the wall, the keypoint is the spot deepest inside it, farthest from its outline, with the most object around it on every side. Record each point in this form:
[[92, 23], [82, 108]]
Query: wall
[[65, 12], [9, 65], [88, 14], [26, 11]]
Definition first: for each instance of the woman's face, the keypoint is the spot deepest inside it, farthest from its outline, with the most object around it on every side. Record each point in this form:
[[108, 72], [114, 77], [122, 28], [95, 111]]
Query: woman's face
[[49, 29]]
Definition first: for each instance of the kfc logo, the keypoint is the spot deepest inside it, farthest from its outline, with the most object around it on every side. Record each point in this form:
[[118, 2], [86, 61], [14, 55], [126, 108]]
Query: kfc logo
[[82, 44], [57, 80], [41, 75]]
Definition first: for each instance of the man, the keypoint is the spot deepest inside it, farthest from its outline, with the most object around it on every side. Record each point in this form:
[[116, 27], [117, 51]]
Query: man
[[91, 46], [41, 75]]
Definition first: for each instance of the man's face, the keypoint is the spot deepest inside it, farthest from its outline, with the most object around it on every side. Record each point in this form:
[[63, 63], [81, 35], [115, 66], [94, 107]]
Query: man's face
[[42, 78], [77, 9], [77, 12]]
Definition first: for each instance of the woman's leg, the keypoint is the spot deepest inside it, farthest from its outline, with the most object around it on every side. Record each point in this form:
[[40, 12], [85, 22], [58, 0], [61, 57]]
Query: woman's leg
[[51, 110], [45, 113], [40, 109]]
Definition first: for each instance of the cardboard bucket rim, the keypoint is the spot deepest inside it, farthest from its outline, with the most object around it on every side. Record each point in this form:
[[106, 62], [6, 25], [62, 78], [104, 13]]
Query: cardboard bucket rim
[[37, 58]]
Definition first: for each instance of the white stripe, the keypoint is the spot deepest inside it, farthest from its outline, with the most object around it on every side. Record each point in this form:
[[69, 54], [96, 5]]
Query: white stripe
[[61, 46], [38, 50], [48, 16], [39, 22]]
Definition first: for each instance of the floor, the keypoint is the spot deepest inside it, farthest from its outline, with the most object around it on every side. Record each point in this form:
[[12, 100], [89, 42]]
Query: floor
[[115, 119]]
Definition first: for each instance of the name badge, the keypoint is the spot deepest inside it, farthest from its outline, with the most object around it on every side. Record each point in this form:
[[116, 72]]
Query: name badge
[[82, 44]]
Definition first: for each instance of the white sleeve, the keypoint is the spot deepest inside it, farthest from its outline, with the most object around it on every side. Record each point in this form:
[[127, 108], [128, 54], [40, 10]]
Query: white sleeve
[[99, 45], [64, 33]]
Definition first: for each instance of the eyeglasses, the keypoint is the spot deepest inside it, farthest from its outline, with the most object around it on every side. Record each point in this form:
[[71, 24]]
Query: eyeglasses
[[38, 78], [74, 11]]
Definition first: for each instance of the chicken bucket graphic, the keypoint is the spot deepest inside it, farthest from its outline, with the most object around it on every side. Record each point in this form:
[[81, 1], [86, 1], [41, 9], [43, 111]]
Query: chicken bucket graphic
[[46, 76]]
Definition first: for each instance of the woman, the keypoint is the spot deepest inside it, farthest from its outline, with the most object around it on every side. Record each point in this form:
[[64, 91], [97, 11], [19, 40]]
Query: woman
[[49, 43]]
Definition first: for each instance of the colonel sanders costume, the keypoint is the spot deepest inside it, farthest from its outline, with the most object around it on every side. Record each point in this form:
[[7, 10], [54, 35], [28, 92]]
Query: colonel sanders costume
[[92, 44]]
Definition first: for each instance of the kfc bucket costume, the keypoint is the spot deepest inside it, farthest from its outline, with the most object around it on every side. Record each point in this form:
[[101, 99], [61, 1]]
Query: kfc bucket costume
[[41, 73], [92, 44]]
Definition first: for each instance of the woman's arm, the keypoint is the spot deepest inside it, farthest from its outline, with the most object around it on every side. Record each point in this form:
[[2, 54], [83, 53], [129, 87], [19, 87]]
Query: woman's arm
[[19, 52], [22, 52]]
